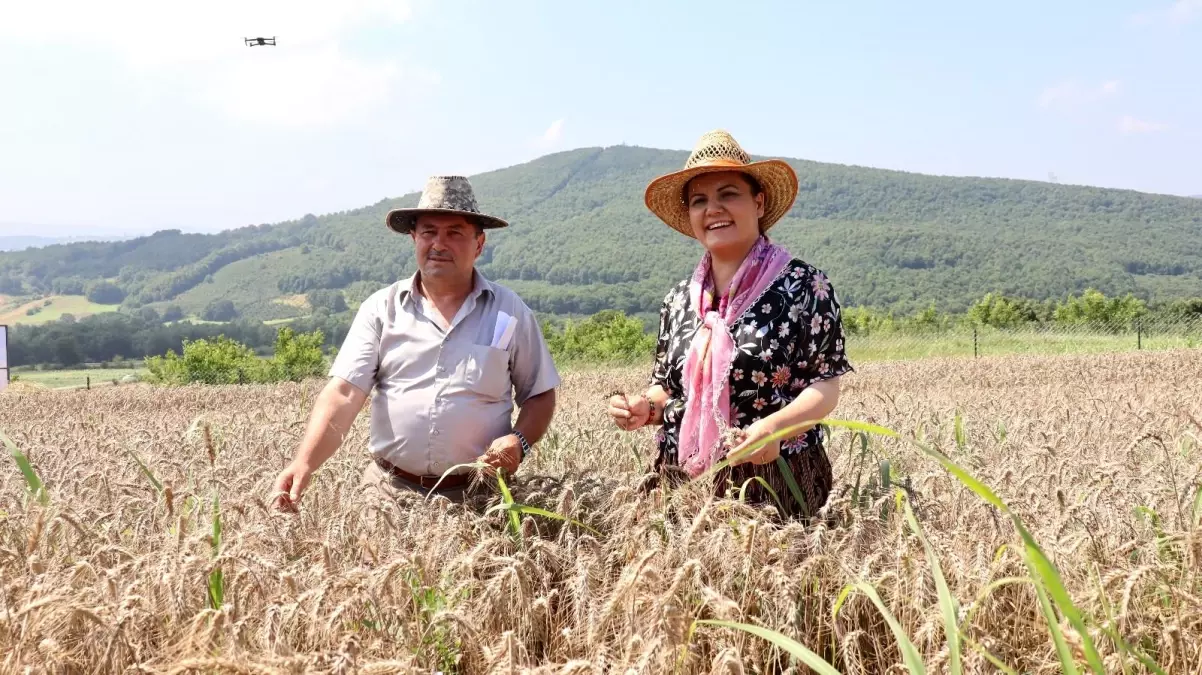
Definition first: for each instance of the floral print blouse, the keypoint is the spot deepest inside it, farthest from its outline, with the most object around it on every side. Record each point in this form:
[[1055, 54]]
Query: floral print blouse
[[790, 338]]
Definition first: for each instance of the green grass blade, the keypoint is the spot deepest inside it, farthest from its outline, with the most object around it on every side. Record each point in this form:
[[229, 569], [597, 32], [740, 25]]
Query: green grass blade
[[910, 655], [1042, 570], [789, 432], [515, 520], [947, 603], [216, 579], [145, 470], [997, 663], [988, 589], [968, 479], [469, 465], [536, 511], [1038, 561], [761, 481], [216, 525], [793, 487], [1139, 655], [793, 647], [1198, 506], [1067, 665], [32, 481]]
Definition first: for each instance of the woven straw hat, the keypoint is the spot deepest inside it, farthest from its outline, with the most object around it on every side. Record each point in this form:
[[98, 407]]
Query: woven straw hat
[[443, 194], [719, 151]]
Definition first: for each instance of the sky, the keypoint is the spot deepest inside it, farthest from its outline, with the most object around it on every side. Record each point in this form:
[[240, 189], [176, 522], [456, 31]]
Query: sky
[[130, 116]]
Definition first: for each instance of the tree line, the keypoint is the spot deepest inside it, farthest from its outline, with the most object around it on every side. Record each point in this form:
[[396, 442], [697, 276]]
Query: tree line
[[103, 337]]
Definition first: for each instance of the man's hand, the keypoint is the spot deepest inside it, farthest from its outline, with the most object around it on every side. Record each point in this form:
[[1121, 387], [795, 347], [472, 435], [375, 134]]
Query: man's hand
[[629, 413], [754, 433], [290, 486], [505, 452]]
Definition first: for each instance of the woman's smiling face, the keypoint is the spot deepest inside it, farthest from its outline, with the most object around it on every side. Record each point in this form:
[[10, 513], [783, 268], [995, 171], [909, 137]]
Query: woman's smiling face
[[724, 211]]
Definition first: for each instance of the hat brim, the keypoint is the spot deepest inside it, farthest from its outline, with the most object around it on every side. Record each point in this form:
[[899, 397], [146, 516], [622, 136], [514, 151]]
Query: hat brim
[[403, 221], [665, 195]]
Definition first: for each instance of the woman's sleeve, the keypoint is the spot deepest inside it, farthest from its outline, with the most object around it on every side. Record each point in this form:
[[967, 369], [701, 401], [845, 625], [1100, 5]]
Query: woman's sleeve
[[662, 372], [663, 363], [831, 358]]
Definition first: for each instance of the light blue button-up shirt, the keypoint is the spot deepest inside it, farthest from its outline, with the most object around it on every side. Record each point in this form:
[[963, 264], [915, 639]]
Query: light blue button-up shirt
[[442, 396]]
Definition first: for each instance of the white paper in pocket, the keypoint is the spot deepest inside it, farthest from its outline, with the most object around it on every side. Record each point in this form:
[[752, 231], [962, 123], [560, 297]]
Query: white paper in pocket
[[502, 333]]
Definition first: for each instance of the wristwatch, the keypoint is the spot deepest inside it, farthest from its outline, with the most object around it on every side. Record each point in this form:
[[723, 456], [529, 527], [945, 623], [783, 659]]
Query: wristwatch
[[525, 443]]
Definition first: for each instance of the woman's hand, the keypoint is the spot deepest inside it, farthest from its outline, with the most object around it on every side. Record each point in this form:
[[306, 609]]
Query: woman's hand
[[629, 413], [757, 431]]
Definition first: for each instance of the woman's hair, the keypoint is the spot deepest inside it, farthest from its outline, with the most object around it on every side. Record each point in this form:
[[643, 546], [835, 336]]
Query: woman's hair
[[756, 189]]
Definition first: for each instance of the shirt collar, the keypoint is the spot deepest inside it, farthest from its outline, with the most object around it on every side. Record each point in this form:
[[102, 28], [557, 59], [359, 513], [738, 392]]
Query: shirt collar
[[480, 285]]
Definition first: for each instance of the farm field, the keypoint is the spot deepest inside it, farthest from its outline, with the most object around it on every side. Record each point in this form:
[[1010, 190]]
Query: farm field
[[61, 379], [12, 313], [180, 567]]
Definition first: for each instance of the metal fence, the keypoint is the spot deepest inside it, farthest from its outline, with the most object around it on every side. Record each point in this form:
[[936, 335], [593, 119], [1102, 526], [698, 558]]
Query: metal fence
[[1047, 339]]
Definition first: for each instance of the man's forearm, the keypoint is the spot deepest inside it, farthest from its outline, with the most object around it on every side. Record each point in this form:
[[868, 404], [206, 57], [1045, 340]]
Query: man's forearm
[[535, 416], [333, 414]]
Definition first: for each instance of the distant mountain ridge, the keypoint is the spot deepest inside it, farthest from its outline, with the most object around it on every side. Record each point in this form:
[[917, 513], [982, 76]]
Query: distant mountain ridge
[[581, 240], [21, 242]]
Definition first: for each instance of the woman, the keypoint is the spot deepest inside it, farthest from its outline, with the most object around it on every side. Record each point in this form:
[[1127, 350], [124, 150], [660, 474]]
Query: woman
[[751, 341]]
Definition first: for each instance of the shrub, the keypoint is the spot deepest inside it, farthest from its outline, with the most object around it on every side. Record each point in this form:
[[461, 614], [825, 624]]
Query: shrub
[[297, 356], [220, 310], [222, 360], [105, 293], [607, 336]]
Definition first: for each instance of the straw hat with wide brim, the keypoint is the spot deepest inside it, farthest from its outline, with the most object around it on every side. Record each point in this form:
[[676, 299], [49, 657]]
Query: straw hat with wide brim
[[719, 151], [443, 194]]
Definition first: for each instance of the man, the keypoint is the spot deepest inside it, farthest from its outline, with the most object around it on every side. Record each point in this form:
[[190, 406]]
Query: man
[[443, 349]]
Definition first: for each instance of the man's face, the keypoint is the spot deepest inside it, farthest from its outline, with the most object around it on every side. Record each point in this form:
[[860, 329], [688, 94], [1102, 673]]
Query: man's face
[[447, 246]]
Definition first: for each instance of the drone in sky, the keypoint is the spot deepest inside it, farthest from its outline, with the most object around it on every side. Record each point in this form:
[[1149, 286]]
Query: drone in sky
[[260, 41]]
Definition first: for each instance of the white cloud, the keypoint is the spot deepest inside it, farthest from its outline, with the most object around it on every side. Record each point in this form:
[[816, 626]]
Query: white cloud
[[1180, 12], [1072, 94], [1131, 125], [306, 79], [553, 132], [314, 87]]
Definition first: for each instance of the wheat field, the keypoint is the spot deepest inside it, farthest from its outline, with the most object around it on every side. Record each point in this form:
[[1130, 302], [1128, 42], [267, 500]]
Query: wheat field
[[151, 547]]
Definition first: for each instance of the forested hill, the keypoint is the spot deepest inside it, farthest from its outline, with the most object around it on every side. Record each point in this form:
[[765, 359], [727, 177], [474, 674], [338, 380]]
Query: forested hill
[[581, 240]]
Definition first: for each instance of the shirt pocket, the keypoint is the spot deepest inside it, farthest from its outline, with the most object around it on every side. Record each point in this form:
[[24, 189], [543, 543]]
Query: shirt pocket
[[486, 372]]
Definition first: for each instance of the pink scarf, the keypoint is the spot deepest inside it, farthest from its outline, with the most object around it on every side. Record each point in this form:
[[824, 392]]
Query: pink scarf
[[707, 365]]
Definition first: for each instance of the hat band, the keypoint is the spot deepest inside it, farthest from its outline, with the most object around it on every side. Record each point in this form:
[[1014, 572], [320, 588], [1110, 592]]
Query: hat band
[[719, 161]]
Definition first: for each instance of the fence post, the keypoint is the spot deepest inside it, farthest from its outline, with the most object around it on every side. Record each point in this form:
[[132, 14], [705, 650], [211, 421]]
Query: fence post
[[1139, 333], [89, 384], [974, 342]]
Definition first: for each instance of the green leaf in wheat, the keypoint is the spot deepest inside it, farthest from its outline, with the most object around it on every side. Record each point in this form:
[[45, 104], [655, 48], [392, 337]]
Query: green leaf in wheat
[[32, 481], [1045, 574], [766, 486], [790, 432], [794, 488], [515, 520], [216, 579], [910, 655], [796, 649], [997, 663], [523, 509], [947, 602], [158, 486]]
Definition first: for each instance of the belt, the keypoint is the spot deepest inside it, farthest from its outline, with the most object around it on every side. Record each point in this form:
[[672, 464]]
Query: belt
[[450, 482]]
